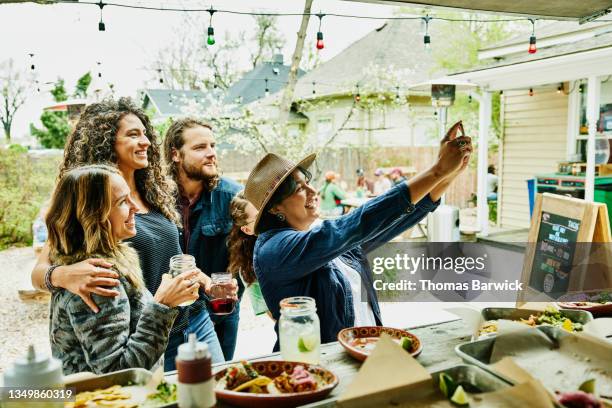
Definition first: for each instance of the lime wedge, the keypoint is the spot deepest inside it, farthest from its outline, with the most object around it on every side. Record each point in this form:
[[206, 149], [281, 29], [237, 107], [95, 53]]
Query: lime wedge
[[588, 386], [307, 343], [406, 343], [446, 384], [460, 397]]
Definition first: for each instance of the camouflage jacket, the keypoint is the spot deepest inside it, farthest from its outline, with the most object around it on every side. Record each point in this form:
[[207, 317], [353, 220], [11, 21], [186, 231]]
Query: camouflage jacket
[[130, 330]]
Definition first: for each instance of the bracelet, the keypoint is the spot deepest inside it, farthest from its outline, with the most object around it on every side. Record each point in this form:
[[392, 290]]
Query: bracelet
[[48, 283]]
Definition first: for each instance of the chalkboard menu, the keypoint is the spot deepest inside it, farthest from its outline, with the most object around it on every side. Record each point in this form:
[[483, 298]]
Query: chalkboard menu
[[554, 254]]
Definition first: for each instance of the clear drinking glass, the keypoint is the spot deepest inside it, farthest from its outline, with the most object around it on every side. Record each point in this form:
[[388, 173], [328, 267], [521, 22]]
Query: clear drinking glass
[[299, 330], [222, 300], [183, 263]]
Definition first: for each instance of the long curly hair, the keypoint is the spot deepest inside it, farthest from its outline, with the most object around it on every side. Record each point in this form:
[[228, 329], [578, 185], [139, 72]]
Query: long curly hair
[[93, 142], [174, 141], [240, 245]]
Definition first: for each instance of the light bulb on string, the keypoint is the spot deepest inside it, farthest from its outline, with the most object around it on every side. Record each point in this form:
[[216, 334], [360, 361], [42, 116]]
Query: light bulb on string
[[530, 91], [320, 45], [267, 91], [532, 40], [470, 98], [210, 39], [169, 98], [313, 88], [560, 88], [101, 25], [357, 95], [32, 66], [397, 95], [161, 79], [426, 37], [99, 72]]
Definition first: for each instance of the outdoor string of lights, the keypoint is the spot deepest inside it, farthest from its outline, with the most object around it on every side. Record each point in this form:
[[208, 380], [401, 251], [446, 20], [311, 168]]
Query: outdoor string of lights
[[319, 45]]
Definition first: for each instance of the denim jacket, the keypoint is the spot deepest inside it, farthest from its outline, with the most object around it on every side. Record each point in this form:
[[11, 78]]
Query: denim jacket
[[211, 222], [288, 262]]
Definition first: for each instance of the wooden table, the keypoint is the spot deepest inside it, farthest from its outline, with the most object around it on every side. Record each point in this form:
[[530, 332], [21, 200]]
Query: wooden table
[[439, 341]]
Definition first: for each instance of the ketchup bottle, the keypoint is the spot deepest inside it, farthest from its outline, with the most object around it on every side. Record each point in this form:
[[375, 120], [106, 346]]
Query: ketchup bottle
[[195, 379]]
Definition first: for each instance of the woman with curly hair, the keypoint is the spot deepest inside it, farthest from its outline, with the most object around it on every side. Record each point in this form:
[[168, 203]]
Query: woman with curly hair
[[240, 244], [120, 133]]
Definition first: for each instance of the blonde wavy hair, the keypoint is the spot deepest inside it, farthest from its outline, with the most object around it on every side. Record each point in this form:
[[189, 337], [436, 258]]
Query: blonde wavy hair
[[79, 225], [93, 142]]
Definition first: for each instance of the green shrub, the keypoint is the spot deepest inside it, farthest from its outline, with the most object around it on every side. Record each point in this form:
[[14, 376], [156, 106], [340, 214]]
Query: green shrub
[[26, 182]]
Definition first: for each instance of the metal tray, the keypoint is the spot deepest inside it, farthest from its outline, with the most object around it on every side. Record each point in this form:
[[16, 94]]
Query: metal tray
[[134, 376], [512, 313], [473, 379], [479, 353]]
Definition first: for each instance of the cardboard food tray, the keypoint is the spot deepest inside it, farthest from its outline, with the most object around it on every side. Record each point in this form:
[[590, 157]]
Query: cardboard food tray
[[136, 376], [473, 379], [580, 359], [511, 313]]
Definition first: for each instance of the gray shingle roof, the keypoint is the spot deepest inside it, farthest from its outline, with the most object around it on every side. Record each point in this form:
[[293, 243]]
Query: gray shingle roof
[[397, 43], [169, 102], [252, 85]]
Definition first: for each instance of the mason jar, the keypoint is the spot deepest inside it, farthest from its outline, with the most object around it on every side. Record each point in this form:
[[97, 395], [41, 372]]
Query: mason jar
[[299, 330], [183, 263]]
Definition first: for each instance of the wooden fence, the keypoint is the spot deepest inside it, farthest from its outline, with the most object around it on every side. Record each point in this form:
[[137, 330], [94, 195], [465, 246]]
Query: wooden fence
[[347, 160]]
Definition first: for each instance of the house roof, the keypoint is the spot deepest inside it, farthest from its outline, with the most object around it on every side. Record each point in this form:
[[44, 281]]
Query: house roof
[[601, 37], [252, 85], [397, 43], [170, 102]]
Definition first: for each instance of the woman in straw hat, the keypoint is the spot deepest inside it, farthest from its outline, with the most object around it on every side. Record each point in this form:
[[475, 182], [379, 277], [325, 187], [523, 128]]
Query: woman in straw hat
[[328, 262]]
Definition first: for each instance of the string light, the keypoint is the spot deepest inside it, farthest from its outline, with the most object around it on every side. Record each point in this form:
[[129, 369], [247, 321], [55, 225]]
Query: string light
[[267, 92], [532, 40], [320, 45], [560, 88], [32, 66], [210, 39], [530, 91], [397, 95], [101, 25], [357, 95], [470, 98], [426, 37], [313, 88], [161, 78], [99, 72]]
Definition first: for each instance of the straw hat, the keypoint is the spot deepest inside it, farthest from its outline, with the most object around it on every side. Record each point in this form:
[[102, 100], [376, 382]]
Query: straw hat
[[267, 176]]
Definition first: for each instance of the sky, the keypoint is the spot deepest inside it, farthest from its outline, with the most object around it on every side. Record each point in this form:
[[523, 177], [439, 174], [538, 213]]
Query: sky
[[65, 40]]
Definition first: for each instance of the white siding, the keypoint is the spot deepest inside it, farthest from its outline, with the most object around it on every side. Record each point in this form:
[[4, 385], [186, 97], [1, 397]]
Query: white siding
[[534, 141]]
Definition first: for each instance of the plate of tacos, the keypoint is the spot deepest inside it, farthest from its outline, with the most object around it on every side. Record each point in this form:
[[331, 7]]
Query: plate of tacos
[[274, 384]]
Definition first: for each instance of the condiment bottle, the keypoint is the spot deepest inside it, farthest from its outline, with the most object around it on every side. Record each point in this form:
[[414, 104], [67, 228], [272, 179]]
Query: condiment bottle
[[195, 379], [36, 372]]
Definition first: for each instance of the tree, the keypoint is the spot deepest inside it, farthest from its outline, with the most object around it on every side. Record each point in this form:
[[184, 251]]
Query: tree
[[13, 88], [285, 106], [189, 64], [267, 38], [56, 126]]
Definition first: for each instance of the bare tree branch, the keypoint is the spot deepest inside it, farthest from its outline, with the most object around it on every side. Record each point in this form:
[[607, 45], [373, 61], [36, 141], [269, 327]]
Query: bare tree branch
[[13, 92], [285, 105]]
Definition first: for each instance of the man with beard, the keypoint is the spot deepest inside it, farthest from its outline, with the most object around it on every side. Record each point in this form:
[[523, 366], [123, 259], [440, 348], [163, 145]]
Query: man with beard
[[203, 202]]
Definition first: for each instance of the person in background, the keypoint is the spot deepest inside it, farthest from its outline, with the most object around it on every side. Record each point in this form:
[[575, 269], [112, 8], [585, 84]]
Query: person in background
[[364, 186], [396, 176], [328, 262], [203, 200], [382, 183], [331, 196], [240, 243], [90, 215], [120, 133], [491, 183]]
